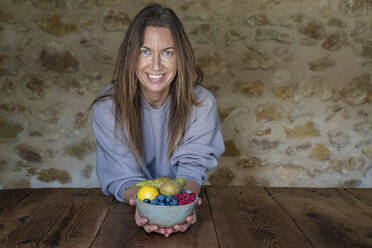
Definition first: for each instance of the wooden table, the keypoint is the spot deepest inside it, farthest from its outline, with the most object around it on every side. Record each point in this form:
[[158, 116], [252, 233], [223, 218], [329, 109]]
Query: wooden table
[[229, 217]]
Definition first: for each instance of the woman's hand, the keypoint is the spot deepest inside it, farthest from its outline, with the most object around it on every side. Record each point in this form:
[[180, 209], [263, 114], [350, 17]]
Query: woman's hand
[[183, 227], [142, 222], [166, 231]]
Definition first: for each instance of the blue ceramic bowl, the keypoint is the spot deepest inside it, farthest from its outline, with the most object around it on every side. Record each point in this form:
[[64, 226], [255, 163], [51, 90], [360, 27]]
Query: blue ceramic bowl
[[165, 216]]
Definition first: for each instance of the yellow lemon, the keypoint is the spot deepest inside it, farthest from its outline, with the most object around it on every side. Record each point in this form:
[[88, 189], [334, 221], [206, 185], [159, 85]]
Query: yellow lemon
[[149, 192]]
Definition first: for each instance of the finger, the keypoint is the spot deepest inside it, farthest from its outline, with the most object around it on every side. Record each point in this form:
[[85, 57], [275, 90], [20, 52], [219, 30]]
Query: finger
[[191, 219], [182, 228], [132, 202], [169, 231], [140, 221]]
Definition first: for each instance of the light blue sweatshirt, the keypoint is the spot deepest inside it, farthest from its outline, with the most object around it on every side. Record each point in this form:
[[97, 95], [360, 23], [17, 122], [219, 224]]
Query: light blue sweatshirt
[[198, 150]]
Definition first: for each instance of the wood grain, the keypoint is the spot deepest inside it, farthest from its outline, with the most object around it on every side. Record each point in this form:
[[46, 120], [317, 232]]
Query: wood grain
[[66, 218], [329, 217], [127, 234], [249, 217], [364, 195], [17, 208]]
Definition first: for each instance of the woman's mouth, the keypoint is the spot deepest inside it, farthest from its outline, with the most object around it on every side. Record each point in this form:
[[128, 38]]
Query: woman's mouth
[[155, 77]]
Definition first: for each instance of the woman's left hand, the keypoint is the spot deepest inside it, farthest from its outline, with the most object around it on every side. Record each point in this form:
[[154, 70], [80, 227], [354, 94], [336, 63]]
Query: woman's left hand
[[182, 227]]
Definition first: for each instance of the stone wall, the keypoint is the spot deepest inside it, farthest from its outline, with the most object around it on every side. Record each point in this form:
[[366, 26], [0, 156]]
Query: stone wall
[[292, 78]]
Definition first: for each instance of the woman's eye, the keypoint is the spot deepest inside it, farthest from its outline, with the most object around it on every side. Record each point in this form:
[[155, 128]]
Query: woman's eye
[[145, 52], [168, 53]]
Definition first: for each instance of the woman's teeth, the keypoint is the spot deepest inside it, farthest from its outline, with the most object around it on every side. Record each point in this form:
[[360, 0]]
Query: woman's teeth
[[153, 76]]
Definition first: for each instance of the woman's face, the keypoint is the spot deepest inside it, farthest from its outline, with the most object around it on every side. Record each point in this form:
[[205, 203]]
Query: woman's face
[[156, 67]]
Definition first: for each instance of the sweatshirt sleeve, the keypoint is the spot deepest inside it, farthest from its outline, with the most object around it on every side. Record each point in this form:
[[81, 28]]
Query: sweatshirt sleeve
[[116, 166], [202, 142]]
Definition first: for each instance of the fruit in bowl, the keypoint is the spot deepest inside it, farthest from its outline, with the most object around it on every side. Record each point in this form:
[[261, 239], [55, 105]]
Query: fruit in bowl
[[168, 208]]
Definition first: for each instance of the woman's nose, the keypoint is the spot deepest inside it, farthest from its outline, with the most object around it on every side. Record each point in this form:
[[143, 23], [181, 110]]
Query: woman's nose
[[156, 63]]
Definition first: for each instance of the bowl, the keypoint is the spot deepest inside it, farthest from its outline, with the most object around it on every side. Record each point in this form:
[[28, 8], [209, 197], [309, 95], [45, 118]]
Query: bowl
[[165, 216]]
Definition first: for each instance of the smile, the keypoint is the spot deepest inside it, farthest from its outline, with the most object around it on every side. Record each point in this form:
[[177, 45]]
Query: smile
[[155, 77]]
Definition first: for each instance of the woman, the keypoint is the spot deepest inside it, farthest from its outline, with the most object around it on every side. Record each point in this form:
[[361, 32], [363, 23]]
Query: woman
[[155, 119]]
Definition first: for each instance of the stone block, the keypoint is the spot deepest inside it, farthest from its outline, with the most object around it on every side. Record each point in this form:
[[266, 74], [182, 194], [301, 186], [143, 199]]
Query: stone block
[[9, 130], [34, 86], [221, 176], [285, 92], [255, 88], [338, 139], [368, 152], [289, 172], [355, 7], [56, 57], [322, 63], [54, 24], [254, 59], [247, 163], [233, 36], [358, 90], [53, 174], [314, 30], [115, 20], [231, 150], [320, 152], [268, 112], [28, 153], [80, 149], [265, 144], [304, 131], [49, 4], [204, 33], [258, 19]]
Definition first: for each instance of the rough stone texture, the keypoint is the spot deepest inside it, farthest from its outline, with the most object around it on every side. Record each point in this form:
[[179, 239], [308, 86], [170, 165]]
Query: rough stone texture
[[80, 120], [291, 80], [8, 130], [265, 144], [321, 64], [338, 139], [320, 152], [356, 7], [12, 107], [307, 130], [292, 171], [368, 152], [87, 171], [34, 86], [80, 149], [115, 20], [221, 176], [255, 88], [254, 59], [56, 58], [203, 33], [54, 24], [50, 175], [268, 112], [358, 90], [231, 150], [346, 165], [247, 163], [314, 30], [28, 153], [286, 91]]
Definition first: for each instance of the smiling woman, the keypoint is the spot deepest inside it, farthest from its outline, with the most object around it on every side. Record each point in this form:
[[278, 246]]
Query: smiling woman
[[156, 67], [155, 119]]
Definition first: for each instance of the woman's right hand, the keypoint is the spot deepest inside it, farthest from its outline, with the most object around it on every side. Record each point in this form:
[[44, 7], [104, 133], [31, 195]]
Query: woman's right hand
[[142, 222]]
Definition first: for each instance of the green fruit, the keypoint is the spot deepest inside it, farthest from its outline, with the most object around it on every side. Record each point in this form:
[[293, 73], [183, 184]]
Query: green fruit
[[157, 182], [170, 188], [181, 181]]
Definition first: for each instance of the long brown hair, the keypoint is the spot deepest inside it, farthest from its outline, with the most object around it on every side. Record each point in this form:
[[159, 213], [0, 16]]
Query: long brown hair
[[127, 94]]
